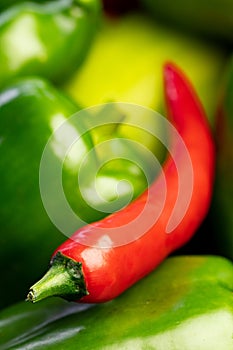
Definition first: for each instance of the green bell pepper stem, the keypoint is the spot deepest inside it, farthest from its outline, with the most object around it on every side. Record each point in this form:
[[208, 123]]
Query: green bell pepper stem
[[125, 157], [50, 39], [187, 303]]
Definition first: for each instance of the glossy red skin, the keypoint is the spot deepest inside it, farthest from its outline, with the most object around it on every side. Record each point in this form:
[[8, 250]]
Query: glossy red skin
[[108, 272]]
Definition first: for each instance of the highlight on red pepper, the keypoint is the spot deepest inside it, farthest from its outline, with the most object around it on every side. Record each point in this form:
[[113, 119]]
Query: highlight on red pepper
[[101, 271]]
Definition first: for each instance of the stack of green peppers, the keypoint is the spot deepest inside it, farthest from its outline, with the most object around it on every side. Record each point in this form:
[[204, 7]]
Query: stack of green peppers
[[187, 302], [31, 110], [47, 39]]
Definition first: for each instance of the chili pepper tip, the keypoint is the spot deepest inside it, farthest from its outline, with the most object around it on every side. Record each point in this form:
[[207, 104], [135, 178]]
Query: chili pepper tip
[[30, 296]]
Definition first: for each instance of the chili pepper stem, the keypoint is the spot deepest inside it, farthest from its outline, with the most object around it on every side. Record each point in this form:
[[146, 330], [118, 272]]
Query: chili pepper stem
[[64, 278]]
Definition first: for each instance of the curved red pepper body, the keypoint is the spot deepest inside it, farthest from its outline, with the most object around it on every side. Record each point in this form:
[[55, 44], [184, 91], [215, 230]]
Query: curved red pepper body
[[109, 271]]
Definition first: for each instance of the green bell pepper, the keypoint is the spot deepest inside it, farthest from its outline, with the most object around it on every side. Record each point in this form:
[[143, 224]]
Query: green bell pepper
[[206, 18], [7, 3], [30, 112], [126, 60], [221, 215], [27, 109], [50, 39], [187, 303]]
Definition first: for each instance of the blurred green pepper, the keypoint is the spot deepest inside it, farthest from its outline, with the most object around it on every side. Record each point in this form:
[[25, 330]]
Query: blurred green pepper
[[126, 60], [50, 39], [7, 3], [221, 215], [187, 303], [27, 111], [212, 19], [32, 112]]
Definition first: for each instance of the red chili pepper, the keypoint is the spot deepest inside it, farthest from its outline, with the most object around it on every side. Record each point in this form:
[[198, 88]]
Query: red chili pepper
[[96, 274]]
